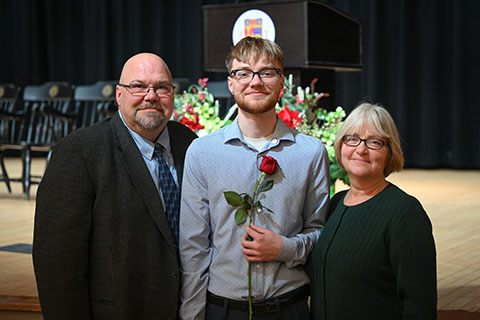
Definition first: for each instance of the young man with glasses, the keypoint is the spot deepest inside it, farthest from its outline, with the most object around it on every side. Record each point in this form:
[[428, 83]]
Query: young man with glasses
[[214, 250], [105, 243]]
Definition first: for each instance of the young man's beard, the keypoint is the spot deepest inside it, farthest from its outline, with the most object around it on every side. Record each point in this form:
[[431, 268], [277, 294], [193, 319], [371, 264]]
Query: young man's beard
[[256, 108]]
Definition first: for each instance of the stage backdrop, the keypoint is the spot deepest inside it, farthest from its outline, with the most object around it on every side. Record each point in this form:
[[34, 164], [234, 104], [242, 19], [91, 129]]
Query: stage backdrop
[[421, 58]]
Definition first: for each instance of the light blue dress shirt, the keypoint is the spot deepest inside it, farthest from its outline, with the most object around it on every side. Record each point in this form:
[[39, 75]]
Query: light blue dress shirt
[[147, 149], [210, 240]]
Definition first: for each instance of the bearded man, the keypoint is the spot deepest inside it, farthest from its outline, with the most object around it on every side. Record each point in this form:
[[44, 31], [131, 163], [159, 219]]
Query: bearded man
[[215, 252], [106, 222]]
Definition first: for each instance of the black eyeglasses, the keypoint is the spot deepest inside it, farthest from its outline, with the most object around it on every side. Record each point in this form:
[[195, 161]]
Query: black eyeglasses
[[267, 75], [371, 143], [141, 90]]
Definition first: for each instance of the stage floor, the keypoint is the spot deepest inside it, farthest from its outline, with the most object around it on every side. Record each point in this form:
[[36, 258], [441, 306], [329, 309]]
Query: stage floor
[[451, 199]]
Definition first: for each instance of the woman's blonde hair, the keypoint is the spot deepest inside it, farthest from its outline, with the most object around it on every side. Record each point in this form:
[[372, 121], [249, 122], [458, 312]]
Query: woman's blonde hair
[[378, 121]]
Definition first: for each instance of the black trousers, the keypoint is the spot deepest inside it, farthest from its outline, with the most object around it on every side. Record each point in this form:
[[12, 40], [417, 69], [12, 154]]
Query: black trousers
[[295, 311]]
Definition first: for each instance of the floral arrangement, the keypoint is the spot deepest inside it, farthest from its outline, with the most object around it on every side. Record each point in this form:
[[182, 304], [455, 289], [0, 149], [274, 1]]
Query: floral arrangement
[[300, 111], [247, 205], [198, 109]]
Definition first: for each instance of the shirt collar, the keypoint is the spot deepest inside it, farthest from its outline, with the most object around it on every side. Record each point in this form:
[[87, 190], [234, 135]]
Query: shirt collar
[[147, 147], [281, 132]]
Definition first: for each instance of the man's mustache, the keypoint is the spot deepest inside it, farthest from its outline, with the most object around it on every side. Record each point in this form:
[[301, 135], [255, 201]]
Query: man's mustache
[[151, 106]]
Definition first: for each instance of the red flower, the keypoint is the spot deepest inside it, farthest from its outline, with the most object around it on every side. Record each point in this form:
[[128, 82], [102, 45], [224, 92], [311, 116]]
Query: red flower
[[189, 108], [268, 165], [201, 96], [203, 82], [289, 117], [312, 84], [175, 114], [192, 124], [297, 99]]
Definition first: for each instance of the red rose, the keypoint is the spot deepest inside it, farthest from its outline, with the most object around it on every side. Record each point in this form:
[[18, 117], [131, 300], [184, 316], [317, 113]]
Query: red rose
[[268, 165]]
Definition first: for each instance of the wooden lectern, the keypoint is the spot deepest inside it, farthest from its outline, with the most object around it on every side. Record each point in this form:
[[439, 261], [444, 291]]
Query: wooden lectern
[[317, 40]]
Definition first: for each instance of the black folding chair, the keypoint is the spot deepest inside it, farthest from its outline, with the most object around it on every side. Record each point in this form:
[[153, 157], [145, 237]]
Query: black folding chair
[[95, 102], [10, 120], [47, 116]]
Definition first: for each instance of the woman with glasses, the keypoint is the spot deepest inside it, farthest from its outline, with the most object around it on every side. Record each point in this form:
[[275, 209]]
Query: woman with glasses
[[376, 256]]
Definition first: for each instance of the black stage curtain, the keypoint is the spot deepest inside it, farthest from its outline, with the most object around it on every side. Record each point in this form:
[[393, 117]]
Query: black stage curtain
[[421, 58], [421, 61], [89, 40]]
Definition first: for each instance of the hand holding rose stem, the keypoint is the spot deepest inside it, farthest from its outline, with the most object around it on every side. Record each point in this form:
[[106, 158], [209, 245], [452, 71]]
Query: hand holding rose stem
[[247, 205]]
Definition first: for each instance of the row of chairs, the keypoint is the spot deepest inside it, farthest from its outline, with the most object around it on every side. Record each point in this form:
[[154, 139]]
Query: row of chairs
[[35, 118]]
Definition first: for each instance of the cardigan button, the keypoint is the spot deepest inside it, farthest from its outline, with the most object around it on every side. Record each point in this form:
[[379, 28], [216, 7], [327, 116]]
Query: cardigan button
[[174, 274]]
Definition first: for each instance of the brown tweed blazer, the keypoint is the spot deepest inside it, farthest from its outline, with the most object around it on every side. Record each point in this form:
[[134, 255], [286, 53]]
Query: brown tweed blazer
[[103, 248]]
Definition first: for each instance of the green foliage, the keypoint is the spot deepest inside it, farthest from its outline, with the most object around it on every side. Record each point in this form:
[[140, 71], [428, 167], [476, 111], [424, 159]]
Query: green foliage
[[233, 198], [302, 113], [240, 216], [244, 203], [267, 185]]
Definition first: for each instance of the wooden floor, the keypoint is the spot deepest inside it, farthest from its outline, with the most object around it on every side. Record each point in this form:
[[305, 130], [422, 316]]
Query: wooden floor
[[451, 198]]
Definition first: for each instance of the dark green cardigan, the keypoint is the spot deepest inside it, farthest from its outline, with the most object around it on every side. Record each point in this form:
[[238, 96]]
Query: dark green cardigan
[[375, 260]]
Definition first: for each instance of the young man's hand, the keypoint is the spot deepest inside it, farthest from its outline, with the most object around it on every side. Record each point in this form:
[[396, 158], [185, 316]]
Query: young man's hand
[[264, 247]]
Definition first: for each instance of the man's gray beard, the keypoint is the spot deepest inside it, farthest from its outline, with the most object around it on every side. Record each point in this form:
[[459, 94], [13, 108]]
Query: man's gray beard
[[152, 120]]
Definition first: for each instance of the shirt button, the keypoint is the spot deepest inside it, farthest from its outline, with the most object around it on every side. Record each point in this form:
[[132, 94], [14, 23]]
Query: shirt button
[[259, 266], [259, 210], [274, 140]]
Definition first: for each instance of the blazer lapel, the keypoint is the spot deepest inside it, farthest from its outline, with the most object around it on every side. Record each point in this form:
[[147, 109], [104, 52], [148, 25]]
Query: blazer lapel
[[140, 176]]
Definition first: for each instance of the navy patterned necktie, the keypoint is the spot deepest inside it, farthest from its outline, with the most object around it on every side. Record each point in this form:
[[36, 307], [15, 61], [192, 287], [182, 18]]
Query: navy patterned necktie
[[171, 195]]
